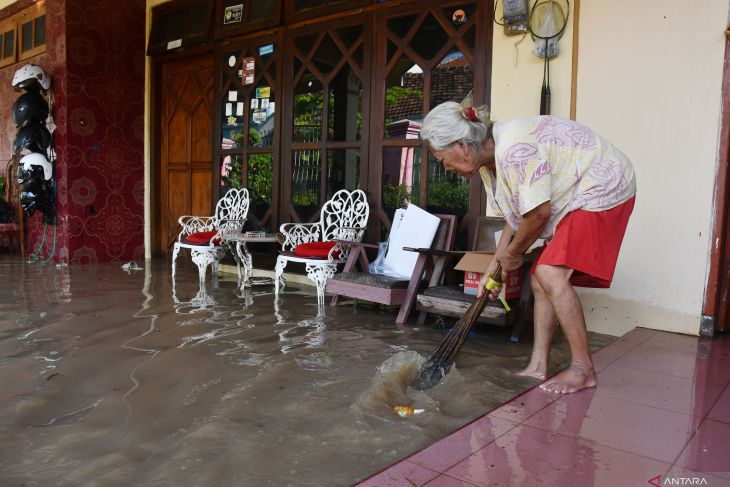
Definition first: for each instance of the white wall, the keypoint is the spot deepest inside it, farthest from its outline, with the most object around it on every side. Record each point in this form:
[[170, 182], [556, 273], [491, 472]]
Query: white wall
[[651, 83], [517, 75]]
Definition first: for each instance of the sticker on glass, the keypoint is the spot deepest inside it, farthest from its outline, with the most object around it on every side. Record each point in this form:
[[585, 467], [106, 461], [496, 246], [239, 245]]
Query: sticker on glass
[[458, 17], [259, 116], [254, 103], [248, 70], [233, 14], [264, 103], [232, 95], [267, 49], [239, 109], [229, 109], [232, 61], [263, 92]]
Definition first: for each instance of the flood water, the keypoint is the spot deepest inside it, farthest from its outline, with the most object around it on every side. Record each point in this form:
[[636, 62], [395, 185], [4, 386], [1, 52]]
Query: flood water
[[106, 378]]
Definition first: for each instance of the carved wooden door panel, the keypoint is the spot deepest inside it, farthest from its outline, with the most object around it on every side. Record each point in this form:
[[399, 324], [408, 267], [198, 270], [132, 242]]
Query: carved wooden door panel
[[185, 146]]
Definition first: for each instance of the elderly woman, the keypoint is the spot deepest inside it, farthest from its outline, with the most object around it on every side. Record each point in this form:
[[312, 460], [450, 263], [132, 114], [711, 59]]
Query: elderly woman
[[554, 179]]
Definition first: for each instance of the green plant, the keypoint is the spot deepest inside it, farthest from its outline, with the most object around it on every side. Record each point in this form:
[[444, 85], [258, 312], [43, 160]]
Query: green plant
[[260, 178], [449, 194], [308, 197], [396, 195], [2, 185]]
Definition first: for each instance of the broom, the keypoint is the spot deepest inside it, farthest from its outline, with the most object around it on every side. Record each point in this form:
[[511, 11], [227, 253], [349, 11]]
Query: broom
[[441, 360]]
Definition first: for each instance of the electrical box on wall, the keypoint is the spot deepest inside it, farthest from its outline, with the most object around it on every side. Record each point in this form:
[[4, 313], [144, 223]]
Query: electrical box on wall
[[514, 16]]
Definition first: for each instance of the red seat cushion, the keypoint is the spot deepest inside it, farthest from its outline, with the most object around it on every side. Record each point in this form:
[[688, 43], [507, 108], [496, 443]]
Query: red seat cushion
[[319, 250], [202, 238]]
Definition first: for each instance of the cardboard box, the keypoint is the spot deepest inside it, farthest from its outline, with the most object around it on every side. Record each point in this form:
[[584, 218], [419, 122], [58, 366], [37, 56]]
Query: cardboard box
[[475, 263]]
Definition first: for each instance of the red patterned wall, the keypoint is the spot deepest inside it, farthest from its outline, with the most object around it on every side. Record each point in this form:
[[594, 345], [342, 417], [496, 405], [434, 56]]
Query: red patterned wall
[[96, 58]]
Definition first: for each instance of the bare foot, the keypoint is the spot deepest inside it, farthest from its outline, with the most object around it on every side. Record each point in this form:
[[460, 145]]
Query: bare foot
[[533, 371], [573, 379]]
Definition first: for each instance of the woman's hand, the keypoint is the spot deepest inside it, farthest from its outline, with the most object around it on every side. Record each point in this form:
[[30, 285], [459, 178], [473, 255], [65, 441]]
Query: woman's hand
[[493, 293], [510, 261]]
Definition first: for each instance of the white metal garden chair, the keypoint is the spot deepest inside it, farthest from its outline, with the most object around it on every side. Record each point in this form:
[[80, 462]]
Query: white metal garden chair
[[343, 219], [202, 234]]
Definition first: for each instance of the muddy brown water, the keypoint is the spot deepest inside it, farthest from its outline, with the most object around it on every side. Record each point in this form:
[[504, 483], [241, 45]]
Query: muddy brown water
[[106, 378]]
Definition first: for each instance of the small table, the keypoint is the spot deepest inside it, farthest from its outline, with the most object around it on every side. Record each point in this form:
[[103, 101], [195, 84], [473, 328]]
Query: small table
[[242, 255]]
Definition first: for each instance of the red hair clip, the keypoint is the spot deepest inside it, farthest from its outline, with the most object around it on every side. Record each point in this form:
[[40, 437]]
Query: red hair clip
[[471, 114]]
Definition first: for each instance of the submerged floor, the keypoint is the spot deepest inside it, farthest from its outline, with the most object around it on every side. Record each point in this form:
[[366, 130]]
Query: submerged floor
[[108, 378]]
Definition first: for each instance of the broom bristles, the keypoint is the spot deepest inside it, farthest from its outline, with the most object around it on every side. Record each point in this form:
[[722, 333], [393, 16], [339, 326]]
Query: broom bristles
[[439, 363]]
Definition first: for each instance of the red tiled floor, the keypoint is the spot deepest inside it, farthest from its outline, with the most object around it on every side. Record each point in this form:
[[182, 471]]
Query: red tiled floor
[[721, 410], [639, 423], [403, 474], [709, 450], [458, 446], [672, 362], [530, 456], [655, 389], [446, 481], [524, 406], [673, 341], [647, 431]]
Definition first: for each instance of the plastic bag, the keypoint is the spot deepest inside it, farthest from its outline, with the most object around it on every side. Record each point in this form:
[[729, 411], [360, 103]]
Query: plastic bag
[[376, 266]]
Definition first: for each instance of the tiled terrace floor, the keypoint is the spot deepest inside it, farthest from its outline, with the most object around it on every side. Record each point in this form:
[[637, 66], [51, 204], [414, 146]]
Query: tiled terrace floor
[[659, 416]]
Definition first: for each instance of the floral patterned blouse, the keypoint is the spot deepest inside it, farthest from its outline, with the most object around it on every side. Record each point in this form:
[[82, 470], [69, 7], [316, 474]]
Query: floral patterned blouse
[[548, 158]]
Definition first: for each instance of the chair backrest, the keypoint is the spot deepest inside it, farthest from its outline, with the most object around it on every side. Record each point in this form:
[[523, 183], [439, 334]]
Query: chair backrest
[[232, 210], [446, 233], [345, 210], [485, 238]]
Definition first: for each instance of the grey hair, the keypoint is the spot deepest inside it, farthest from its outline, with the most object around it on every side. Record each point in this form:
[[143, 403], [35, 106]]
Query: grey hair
[[449, 122]]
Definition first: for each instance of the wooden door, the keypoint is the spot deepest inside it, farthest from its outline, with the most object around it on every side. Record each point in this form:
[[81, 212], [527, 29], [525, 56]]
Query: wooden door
[[185, 147]]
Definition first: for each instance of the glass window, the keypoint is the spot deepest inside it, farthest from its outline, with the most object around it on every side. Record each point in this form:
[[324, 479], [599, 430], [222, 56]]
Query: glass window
[[260, 184], [8, 44], [40, 31], [231, 170], [447, 191], [306, 173], [345, 106], [232, 119], [429, 38], [262, 118], [452, 79], [27, 44], [343, 170], [308, 108], [404, 100], [401, 177]]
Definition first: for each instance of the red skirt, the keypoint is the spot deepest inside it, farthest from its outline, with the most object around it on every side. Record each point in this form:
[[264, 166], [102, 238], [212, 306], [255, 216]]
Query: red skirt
[[588, 242]]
